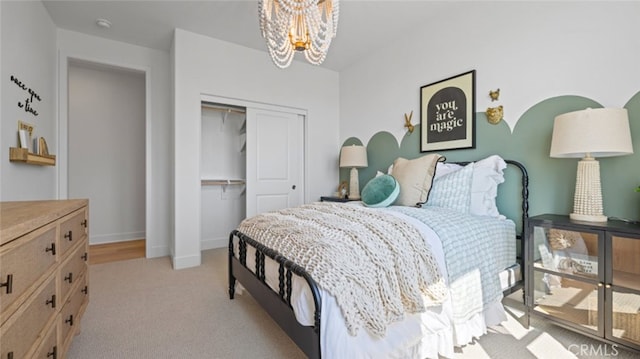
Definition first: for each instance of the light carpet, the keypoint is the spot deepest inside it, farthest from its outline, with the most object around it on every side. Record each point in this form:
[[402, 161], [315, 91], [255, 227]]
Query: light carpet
[[142, 308]]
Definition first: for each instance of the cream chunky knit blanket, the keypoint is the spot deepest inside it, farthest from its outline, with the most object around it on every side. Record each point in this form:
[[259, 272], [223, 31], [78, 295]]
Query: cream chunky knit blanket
[[377, 266]]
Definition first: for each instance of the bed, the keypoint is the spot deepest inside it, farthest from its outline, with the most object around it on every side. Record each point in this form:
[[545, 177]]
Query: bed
[[460, 295]]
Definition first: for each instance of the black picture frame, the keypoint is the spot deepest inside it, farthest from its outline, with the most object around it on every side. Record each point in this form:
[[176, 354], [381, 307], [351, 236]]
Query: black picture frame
[[448, 113]]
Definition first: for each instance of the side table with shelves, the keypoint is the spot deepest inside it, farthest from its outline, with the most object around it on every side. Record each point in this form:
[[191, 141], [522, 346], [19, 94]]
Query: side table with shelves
[[585, 276]]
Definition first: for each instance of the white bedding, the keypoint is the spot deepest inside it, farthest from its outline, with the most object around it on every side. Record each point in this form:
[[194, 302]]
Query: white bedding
[[421, 335]]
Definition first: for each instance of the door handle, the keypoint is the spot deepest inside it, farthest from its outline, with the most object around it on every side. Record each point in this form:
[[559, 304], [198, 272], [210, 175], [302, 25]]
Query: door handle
[[293, 187]]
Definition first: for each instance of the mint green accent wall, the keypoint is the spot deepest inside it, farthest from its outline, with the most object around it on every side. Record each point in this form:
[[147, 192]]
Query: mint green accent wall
[[551, 180]]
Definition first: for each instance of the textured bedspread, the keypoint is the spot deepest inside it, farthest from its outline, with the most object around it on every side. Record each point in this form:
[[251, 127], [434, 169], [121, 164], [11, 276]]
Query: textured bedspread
[[471, 248], [376, 265]]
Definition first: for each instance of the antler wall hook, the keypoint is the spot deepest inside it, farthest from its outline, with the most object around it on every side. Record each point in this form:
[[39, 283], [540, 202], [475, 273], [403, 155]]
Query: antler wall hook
[[407, 122]]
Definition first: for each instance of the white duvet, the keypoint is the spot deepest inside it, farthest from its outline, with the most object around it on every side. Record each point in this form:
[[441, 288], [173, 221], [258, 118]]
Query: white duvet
[[421, 335]]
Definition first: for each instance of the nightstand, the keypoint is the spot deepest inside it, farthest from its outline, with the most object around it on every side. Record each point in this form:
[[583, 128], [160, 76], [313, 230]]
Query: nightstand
[[336, 199], [585, 276]]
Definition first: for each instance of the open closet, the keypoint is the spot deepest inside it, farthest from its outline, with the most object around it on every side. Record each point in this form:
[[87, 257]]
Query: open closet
[[222, 172], [251, 161]]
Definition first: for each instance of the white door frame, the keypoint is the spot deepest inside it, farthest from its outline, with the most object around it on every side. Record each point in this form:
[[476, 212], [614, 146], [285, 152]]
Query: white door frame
[[63, 134]]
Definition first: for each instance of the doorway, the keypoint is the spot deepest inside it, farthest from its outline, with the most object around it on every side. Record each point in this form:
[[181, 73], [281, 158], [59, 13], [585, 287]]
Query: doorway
[[106, 148]]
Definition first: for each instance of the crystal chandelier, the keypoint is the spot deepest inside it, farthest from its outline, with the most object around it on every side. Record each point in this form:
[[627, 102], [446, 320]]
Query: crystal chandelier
[[298, 25]]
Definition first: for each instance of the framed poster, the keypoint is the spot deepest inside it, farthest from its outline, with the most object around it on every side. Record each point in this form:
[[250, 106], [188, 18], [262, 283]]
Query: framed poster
[[448, 113]]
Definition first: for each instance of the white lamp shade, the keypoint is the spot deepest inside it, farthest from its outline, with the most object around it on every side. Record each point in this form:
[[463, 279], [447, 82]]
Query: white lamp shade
[[353, 156], [601, 132]]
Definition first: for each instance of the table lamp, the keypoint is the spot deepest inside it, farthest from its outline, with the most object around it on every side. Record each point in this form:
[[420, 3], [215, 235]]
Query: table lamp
[[587, 134], [353, 157]]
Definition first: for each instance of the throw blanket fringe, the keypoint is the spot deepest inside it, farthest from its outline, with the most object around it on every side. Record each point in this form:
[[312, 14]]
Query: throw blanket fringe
[[377, 266]]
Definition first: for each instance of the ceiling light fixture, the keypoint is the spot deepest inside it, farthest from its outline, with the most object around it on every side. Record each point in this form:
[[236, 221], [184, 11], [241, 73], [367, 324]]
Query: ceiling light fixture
[[298, 25], [103, 23]]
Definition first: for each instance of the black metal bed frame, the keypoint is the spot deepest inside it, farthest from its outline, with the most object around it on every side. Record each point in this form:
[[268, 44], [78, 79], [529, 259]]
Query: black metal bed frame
[[278, 305]]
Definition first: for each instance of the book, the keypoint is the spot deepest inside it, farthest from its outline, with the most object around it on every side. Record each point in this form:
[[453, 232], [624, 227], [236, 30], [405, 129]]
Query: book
[[23, 136]]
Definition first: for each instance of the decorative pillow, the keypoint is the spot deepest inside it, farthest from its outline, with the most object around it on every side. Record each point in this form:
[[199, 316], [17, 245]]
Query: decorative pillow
[[487, 175], [380, 191], [445, 168], [415, 177], [453, 190]]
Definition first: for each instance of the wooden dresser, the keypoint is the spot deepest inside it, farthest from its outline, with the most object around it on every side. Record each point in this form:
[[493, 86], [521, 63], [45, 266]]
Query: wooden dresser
[[43, 276]]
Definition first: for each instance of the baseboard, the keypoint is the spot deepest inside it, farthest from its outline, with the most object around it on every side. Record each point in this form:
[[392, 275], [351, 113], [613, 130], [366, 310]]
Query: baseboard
[[159, 251], [186, 261], [116, 237], [214, 243]]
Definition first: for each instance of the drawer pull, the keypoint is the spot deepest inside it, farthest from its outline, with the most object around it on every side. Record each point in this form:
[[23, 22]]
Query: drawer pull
[[84, 256], [51, 249], [52, 301], [53, 353], [69, 278], [84, 223], [85, 290], [69, 235], [8, 284], [70, 320]]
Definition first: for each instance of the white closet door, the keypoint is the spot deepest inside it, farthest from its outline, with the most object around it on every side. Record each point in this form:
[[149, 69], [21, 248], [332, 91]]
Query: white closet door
[[275, 160]]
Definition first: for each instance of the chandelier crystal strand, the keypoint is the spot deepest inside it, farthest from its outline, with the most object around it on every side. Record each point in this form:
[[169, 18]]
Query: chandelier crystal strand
[[298, 25]]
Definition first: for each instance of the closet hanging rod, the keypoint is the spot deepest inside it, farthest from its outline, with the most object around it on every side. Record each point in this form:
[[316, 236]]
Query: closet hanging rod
[[222, 108], [222, 182]]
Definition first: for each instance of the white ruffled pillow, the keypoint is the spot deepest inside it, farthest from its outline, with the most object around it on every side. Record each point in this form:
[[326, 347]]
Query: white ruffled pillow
[[487, 175]]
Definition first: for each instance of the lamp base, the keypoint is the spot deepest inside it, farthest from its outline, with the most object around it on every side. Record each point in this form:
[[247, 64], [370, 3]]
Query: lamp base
[[587, 200], [354, 185]]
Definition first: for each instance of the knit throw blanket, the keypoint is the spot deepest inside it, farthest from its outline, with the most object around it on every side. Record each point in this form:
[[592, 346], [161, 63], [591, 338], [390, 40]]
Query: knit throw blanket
[[377, 266]]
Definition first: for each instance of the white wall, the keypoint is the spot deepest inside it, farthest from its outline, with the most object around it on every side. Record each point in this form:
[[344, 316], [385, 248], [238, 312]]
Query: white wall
[[203, 65], [155, 64], [28, 39], [106, 141], [530, 50]]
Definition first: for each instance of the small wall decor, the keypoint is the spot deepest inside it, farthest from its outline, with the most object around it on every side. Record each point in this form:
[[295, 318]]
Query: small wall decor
[[27, 104], [43, 149], [494, 95], [494, 114], [447, 113], [407, 122], [25, 135]]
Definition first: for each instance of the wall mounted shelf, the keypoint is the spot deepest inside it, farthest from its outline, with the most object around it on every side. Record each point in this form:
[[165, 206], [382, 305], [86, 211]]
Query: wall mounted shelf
[[23, 155]]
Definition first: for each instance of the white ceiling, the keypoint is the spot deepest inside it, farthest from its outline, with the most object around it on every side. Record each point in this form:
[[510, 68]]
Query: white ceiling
[[363, 26]]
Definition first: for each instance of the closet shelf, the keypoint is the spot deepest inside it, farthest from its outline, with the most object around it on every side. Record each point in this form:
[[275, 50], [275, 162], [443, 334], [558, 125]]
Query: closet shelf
[[23, 155], [221, 108]]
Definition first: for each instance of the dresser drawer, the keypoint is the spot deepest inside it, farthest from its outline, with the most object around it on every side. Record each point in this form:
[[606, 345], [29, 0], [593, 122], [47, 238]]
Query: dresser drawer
[[72, 269], [72, 311], [48, 348], [19, 333], [72, 230], [23, 263]]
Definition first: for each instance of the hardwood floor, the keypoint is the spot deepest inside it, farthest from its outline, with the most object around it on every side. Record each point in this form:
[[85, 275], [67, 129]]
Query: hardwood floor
[[112, 252]]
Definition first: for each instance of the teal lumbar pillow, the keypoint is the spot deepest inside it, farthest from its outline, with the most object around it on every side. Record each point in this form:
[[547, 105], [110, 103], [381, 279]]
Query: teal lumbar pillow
[[381, 191]]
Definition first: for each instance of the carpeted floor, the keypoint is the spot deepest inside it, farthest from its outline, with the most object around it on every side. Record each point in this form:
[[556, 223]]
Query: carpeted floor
[[142, 308]]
